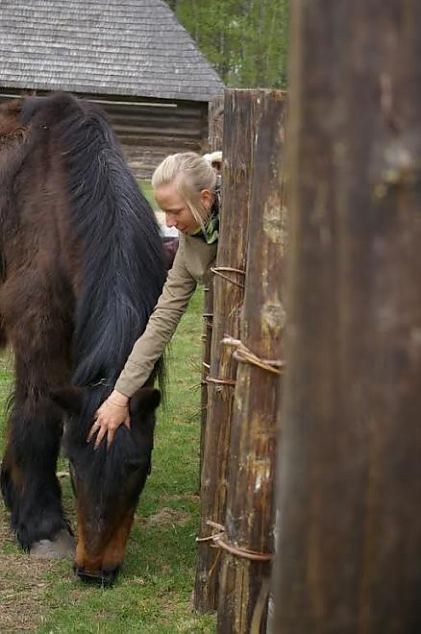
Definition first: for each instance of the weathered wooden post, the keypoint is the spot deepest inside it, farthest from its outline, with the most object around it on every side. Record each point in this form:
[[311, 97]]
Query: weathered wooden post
[[247, 543], [216, 134], [350, 459], [228, 297], [207, 343]]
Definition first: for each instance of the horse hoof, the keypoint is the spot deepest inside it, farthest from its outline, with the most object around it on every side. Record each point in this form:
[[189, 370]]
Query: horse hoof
[[63, 545]]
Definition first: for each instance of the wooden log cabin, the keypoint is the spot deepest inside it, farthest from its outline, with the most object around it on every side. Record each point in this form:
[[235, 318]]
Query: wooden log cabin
[[133, 57]]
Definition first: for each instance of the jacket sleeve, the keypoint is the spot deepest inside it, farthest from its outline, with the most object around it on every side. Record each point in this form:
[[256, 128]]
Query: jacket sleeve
[[172, 304]]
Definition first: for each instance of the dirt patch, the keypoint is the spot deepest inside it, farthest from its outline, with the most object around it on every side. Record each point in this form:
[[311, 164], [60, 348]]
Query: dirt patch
[[167, 517], [22, 585], [188, 497]]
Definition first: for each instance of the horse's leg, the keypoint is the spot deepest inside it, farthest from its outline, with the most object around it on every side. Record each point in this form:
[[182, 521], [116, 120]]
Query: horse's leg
[[28, 478], [28, 475]]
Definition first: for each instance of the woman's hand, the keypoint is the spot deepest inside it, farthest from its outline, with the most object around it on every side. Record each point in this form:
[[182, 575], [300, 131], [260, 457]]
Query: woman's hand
[[113, 412]]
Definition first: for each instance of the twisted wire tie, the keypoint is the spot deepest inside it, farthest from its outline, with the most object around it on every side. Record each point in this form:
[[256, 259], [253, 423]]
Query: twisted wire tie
[[218, 541], [228, 269], [211, 379], [242, 354]]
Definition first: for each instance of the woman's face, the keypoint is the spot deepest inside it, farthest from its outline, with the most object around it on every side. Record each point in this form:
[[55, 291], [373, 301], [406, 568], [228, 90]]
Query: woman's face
[[177, 214]]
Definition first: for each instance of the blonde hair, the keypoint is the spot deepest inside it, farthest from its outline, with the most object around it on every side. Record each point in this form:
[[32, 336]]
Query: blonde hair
[[191, 174]]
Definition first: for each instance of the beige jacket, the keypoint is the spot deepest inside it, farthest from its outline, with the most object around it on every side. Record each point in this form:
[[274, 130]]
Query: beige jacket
[[193, 259]]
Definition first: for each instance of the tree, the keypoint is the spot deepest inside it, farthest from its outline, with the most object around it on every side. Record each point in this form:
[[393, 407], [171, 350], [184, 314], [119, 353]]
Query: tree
[[245, 40]]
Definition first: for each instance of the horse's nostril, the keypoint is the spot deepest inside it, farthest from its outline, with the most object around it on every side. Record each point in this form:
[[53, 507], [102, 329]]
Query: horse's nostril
[[110, 575], [100, 577]]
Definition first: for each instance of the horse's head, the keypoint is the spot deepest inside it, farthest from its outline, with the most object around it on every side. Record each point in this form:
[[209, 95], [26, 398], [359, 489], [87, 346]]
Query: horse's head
[[107, 482]]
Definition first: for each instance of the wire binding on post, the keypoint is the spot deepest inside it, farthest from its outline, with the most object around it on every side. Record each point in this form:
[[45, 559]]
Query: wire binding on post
[[211, 379], [242, 354], [218, 541], [221, 270]]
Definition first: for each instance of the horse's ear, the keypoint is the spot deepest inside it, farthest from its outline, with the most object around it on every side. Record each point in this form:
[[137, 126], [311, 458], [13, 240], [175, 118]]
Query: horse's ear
[[145, 400], [29, 107], [69, 398]]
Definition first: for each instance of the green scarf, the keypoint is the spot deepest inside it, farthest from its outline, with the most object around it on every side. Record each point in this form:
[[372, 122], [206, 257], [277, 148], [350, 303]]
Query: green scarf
[[209, 233]]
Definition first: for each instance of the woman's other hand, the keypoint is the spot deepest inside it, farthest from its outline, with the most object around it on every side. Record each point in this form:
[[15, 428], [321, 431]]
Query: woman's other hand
[[113, 412]]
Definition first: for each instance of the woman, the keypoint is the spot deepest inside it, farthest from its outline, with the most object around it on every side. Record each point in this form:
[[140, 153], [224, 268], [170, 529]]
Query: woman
[[185, 188]]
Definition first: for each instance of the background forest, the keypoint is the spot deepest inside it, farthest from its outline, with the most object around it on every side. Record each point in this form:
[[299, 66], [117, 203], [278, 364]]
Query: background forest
[[246, 41]]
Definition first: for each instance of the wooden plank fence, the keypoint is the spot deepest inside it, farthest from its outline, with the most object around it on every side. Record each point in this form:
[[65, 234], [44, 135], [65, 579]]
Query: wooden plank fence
[[247, 543], [228, 297], [238, 461], [349, 443]]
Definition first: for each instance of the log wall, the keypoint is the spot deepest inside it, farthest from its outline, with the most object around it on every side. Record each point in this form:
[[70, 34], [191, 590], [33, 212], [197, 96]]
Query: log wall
[[150, 130]]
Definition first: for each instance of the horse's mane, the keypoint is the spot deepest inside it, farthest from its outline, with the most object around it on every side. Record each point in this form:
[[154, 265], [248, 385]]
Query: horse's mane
[[122, 259]]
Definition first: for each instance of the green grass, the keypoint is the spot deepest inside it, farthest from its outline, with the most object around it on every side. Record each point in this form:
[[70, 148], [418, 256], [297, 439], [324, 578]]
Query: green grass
[[146, 188], [152, 594]]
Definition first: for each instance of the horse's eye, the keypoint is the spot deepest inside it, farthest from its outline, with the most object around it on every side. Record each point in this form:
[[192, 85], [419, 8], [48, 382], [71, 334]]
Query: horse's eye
[[134, 464]]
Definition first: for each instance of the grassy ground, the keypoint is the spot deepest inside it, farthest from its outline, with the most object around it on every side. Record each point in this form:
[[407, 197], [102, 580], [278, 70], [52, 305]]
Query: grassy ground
[[152, 594]]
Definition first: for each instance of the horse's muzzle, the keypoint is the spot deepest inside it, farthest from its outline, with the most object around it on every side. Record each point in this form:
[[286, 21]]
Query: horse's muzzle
[[103, 578]]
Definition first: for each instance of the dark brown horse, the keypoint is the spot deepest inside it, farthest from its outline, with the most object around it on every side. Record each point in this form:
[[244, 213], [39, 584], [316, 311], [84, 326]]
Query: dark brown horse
[[81, 268]]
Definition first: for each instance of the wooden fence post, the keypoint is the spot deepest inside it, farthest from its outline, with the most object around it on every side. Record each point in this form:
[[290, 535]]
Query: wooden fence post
[[207, 344], [349, 463], [248, 539], [228, 297], [216, 134]]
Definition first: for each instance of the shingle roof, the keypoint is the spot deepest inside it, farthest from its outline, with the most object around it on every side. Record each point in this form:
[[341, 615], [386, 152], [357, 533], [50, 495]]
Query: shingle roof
[[118, 47]]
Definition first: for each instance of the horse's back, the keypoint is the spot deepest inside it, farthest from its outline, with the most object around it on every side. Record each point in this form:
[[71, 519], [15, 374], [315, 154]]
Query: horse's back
[[77, 233], [37, 267]]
